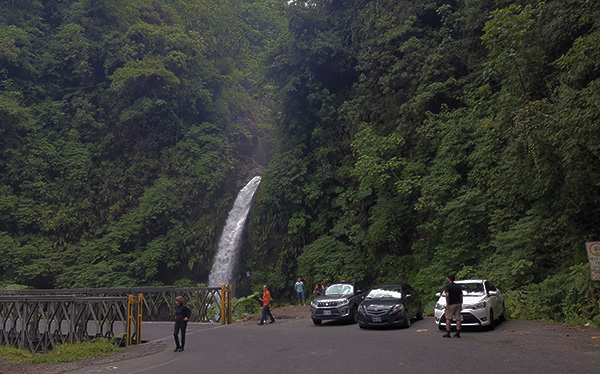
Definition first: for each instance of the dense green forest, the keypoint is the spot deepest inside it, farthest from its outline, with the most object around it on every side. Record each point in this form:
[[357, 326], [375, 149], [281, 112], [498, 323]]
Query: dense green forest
[[411, 138], [125, 125]]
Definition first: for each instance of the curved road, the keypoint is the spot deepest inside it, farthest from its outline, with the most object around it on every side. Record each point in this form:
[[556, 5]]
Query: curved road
[[297, 346]]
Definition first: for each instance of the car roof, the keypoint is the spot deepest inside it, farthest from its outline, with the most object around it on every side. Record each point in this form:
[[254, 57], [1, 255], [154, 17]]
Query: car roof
[[389, 285], [471, 281]]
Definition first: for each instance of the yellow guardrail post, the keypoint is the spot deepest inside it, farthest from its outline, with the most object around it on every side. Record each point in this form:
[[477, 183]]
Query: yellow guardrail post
[[138, 320], [226, 304], [230, 303]]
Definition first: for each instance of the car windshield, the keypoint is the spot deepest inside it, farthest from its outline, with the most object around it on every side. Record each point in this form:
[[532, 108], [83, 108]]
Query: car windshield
[[339, 289], [385, 293], [472, 288]]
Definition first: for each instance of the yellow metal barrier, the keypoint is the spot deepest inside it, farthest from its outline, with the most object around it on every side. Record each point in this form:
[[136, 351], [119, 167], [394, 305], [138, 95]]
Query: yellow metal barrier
[[226, 304], [130, 317]]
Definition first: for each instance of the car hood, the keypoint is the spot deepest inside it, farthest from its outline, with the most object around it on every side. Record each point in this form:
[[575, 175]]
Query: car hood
[[382, 302], [466, 299], [332, 297]]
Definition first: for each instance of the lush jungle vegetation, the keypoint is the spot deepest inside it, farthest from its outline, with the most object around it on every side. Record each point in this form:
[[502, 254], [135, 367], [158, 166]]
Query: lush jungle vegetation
[[411, 138], [124, 127]]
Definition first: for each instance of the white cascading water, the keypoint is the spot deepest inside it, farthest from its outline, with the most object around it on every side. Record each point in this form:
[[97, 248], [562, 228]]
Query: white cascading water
[[229, 243]]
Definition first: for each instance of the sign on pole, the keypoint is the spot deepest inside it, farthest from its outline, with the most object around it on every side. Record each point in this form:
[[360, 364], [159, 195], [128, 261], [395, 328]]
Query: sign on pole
[[593, 252]]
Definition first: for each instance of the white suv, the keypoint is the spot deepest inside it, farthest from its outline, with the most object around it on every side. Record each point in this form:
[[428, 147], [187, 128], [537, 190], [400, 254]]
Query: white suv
[[483, 304]]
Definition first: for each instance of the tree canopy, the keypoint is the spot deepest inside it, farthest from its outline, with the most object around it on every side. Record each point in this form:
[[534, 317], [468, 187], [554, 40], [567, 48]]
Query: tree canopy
[[409, 139]]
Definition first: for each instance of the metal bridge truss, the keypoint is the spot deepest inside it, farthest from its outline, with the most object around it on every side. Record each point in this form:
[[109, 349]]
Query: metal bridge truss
[[39, 319], [158, 302], [39, 323]]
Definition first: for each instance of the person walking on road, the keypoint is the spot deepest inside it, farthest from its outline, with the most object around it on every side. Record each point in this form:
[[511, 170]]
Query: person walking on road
[[300, 291], [182, 314], [266, 312], [454, 299]]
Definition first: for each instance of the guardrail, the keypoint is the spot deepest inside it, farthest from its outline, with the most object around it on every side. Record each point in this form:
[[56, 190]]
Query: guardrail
[[39, 323], [158, 302], [39, 319]]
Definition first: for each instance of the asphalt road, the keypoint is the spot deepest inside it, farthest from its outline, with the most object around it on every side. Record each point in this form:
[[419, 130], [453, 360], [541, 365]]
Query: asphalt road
[[297, 346]]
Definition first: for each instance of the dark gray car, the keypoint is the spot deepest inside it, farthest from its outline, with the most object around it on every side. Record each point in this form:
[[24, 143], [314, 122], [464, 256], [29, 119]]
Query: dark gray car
[[389, 305], [340, 301]]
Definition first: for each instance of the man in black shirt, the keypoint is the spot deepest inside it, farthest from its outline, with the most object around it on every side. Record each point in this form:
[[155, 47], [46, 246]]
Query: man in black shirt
[[454, 299], [182, 314]]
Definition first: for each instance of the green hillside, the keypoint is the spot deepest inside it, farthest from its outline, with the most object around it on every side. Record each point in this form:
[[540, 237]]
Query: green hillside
[[400, 140]]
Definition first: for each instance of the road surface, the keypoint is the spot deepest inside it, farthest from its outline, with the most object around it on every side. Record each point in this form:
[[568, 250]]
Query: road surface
[[297, 346]]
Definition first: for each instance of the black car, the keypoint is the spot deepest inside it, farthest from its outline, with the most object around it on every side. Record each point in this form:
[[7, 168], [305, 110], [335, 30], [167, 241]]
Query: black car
[[340, 301], [390, 305]]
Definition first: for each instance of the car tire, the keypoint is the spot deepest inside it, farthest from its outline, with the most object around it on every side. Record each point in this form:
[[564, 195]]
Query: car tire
[[492, 324], [354, 314], [420, 313], [503, 316], [406, 320], [317, 321]]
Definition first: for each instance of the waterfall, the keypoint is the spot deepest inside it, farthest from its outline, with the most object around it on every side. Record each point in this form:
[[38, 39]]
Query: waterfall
[[229, 243]]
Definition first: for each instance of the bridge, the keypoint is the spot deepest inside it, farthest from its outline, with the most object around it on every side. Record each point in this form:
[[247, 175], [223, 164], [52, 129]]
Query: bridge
[[38, 320]]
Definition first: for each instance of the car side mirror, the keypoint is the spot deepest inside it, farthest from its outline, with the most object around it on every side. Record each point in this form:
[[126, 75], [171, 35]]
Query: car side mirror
[[359, 291], [493, 293], [409, 296], [438, 294]]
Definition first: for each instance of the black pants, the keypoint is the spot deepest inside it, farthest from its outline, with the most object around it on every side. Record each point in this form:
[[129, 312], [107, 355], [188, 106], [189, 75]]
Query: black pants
[[266, 312], [179, 326]]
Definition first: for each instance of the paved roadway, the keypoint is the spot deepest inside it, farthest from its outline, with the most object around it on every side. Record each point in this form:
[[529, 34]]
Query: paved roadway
[[297, 346]]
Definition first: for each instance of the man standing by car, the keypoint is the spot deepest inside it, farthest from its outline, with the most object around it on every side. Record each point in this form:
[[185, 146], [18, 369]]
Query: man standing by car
[[454, 299]]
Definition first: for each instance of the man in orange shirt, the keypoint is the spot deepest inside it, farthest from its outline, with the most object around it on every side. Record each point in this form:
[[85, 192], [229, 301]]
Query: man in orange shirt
[[266, 299]]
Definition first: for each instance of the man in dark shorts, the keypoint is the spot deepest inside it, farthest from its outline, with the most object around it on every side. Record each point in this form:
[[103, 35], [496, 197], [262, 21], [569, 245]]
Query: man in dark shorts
[[454, 299]]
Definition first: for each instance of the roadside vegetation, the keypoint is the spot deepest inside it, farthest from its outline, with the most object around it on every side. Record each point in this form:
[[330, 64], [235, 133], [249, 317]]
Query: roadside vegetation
[[400, 140], [62, 353]]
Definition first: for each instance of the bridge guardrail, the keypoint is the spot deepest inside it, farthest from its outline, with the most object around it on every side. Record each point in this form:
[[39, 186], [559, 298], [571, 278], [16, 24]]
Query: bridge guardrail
[[39, 319]]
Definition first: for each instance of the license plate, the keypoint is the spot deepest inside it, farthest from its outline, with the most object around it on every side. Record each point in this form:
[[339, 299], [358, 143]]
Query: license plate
[[376, 319], [327, 312]]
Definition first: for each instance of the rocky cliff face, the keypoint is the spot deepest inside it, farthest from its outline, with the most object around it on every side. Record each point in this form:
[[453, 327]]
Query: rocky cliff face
[[253, 153]]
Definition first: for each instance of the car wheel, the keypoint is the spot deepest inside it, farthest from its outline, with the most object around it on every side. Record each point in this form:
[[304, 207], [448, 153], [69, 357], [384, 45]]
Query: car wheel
[[406, 320], [354, 315], [503, 316], [317, 321], [420, 313], [492, 324]]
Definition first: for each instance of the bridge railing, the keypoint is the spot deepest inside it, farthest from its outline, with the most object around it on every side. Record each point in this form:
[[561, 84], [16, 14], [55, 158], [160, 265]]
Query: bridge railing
[[39, 323], [158, 302], [39, 319]]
